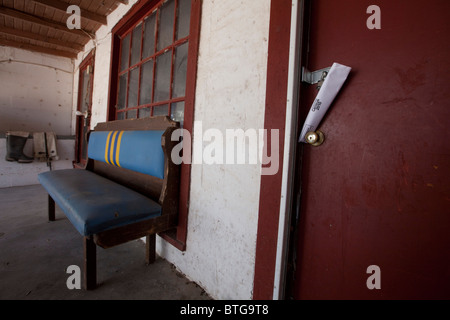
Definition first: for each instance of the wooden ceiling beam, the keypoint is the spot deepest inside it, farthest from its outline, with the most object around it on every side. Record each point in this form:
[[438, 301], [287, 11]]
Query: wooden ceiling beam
[[122, 1], [39, 37], [30, 47], [62, 6], [45, 22]]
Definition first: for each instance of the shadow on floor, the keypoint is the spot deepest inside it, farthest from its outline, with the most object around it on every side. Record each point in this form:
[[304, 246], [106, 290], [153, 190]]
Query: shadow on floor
[[35, 254]]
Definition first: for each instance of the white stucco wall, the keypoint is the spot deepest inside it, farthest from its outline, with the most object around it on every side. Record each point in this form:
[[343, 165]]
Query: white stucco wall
[[35, 96], [14, 174], [230, 94], [35, 91]]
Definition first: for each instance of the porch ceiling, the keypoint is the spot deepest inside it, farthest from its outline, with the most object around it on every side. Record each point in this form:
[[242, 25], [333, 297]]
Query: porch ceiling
[[40, 25]]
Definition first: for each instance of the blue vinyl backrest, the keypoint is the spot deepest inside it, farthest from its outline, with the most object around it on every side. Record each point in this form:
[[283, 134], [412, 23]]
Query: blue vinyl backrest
[[139, 151]]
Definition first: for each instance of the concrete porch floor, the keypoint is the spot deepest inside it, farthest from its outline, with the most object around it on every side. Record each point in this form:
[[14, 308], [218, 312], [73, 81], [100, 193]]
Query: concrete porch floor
[[35, 254]]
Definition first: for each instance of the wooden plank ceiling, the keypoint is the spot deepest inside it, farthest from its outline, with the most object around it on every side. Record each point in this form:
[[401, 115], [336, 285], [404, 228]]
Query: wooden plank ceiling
[[40, 25]]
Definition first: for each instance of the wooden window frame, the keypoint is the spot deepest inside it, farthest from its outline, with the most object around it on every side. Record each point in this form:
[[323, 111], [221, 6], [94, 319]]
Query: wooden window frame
[[89, 60], [141, 9], [137, 66]]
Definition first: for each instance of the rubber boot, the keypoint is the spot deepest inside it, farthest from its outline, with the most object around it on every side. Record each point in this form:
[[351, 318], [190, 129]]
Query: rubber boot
[[14, 149]]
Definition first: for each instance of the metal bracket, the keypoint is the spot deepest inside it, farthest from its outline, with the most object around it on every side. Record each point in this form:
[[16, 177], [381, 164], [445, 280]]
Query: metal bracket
[[314, 76]]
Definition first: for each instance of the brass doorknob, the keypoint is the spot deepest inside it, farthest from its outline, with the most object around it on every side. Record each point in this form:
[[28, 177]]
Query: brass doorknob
[[315, 138]]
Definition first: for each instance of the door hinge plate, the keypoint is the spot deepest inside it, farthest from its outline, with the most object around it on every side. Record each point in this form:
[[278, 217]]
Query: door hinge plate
[[313, 77]]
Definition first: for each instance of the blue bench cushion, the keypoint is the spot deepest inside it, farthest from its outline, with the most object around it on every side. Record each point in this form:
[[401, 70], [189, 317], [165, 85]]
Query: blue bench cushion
[[93, 203], [139, 151]]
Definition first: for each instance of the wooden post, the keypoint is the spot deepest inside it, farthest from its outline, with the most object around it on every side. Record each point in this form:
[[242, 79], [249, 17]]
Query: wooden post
[[51, 209], [90, 263], [150, 249]]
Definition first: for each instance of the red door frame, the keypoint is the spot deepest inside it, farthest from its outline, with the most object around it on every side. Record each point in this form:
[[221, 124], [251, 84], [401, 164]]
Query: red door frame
[[275, 118]]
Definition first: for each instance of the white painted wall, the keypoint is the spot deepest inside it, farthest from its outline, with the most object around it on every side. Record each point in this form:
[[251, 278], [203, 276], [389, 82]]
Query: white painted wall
[[14, 174], [35, 96], [35, 91], [230, 94], [224, 199]]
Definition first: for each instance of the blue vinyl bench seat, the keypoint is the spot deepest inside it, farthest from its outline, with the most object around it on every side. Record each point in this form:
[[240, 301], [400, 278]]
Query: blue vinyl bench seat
[[93, 203], [128, 189]]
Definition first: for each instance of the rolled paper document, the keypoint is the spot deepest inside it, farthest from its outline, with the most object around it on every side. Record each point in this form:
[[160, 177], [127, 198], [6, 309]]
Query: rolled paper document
[[330, 88]]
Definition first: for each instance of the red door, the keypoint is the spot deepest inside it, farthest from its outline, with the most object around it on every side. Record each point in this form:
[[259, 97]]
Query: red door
[[377, 191]]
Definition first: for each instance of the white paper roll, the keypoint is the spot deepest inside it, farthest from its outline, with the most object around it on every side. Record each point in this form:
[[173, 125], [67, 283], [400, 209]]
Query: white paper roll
[[330, 88]]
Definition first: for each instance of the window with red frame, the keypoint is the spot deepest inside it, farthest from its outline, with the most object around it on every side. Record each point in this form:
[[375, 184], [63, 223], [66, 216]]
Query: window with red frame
[[152, 67], [153, 72]]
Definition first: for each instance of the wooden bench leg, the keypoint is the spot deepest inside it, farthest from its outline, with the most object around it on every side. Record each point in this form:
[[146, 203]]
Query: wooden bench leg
[[51, 209], [90, 263], [150, 249]]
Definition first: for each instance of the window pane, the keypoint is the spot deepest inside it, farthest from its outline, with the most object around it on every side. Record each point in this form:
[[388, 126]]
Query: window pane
[[177, 112], [125, 53], [162, 78], [132, 114], [86, 92], [161, 110], [165, 36], [184, 15], [136, 45], [146, 83], [179, 73], [144, 113], [120, 115], [121, 101], [133, 88], [149, 36]]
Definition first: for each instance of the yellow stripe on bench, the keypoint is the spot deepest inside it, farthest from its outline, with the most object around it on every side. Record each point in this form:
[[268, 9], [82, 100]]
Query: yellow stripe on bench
[[112, 146], [107, 147], [118, 147], [112, 149]]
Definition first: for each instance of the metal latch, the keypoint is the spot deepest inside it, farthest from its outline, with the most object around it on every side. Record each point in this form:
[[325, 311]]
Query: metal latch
[[315, 138], [314, 76]]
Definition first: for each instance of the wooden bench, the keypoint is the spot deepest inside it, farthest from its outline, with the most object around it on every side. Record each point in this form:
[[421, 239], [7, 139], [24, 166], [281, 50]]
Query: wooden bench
[[129, 188]]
